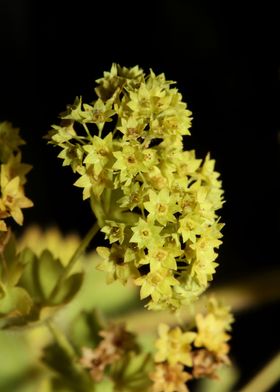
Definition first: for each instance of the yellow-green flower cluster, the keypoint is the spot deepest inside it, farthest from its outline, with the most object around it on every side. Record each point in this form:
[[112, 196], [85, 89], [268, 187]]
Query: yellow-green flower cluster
[[183, 355], [213, 328], [12, 176], [155, 202]]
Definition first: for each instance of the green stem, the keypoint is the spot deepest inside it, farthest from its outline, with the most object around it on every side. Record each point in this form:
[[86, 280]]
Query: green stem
[[266, 378], [79, 251], [107, 199], [76, 376], [100, 129], [61, 340], [98, 210], [87, 131]]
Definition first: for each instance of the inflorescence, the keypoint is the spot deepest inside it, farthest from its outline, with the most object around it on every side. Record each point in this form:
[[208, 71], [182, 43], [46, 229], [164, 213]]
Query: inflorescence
[[155, 202]]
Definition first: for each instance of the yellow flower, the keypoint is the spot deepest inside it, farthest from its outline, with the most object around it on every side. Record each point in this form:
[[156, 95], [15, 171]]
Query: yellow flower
[[157, 284], [169, 378], [161, 207], [114, 264], [13, 200], [146, 235], [98, 153], [136, 172], [211, 334], [174, 345]]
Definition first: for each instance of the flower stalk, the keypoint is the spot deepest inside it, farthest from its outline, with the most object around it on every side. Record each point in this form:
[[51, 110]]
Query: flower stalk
[[79, 251]]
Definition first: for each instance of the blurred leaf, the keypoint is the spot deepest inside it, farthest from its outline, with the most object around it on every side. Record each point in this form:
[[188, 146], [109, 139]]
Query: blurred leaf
[[29, 279], [85, 327], [49, 271], [95, 293], [69, 289], [10, 266], [131, 373], [9, 251], [70, 374], [15, 303], [35, 277], [16, 357], [104, 386]]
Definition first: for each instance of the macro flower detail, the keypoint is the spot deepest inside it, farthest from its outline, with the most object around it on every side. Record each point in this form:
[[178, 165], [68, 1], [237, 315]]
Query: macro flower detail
[[213, 329], [146, 191], [169, 378], [161, 207], [157, 284], [174, 346], [146, 235], [200, 349], [116, 342], [12, 176]]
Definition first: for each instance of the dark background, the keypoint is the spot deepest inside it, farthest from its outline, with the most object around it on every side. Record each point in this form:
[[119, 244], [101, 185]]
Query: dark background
[[225, 60]]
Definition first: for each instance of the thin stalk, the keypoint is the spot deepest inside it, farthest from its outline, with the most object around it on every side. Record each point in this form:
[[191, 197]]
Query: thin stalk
[[87, 131], [107, 199], [98, 210], [61, 340], [100, 129], [79, 251], [266, 378], [77, 377]]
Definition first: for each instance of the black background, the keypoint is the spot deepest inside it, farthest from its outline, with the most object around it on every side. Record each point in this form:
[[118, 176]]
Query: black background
[[225, 60]]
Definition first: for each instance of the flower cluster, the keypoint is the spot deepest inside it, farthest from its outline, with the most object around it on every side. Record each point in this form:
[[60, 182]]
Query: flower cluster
[[155, 202], [117, 360], [12, 176], [182, 356], [116, 342]]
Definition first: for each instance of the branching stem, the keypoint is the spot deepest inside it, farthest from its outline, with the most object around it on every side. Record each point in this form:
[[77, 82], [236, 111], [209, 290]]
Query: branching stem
[[79, 251]]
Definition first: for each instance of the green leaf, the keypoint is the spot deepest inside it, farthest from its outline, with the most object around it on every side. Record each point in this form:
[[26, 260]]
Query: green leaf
[[29, 279], [16, 302], [85, 328], [69, 289], [10, 267], [69, 373], [38, 279], [49, 271], [131, 373], [104, 386]]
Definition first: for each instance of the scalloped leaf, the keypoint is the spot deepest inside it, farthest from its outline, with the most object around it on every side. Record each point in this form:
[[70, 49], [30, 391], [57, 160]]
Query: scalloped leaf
[[39, 275], [15, 303], [65, 363], [69, 289], [49, 271], [10, 266]]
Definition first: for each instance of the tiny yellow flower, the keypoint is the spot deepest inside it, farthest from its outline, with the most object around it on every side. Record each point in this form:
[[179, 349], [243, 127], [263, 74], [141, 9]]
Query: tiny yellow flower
[[169, 378], [174, 345], [211, 334], [157, 284]]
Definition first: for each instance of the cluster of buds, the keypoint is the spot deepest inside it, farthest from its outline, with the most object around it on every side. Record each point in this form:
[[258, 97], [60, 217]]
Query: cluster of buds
[[155, 202]]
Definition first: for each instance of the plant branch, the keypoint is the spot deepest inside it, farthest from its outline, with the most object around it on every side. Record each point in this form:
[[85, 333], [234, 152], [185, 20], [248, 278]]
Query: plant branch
[[266, 378], [61, 340], [79, 251]]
